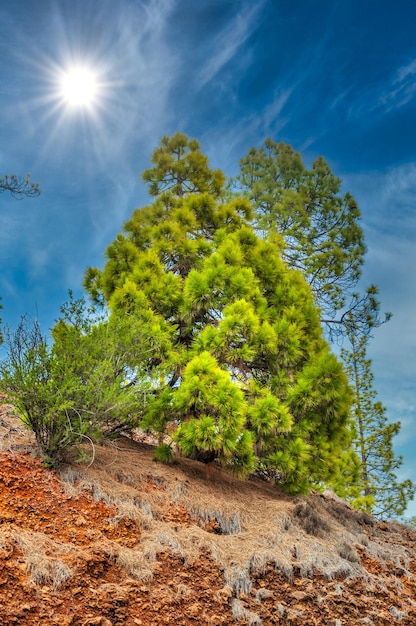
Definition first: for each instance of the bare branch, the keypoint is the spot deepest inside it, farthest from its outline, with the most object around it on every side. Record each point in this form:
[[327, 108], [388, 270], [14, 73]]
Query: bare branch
[[19, 187]]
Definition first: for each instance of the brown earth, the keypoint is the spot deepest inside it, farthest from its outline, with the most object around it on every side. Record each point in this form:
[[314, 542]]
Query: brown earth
[[125, 541]]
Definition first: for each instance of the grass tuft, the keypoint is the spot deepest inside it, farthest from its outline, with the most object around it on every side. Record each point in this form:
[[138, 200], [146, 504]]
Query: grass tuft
[[241, 613], [311, 522], [239, 580], [136, 564], [348, 552], [263, 594], [398, 615], [44, 569]]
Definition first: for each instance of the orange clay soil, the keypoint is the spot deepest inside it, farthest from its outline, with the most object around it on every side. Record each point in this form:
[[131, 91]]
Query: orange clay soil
[[127, 541]]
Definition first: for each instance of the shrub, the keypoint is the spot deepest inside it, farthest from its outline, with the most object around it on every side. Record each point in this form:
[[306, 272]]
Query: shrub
[[81, 386], [164, 454]]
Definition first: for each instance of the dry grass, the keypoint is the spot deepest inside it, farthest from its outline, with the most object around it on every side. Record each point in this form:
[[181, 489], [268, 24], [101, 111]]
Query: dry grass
[[136, 563], [398, 615], [258, 526], [13, 436], [228, 523], [263, 594], [349, 553], [248, 528], [310, 520], [41, 556], [241, 614]]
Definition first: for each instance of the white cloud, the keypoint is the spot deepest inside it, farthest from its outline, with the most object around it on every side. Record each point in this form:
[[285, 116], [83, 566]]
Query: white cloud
[[401, 89], [228, 42], [229, 143], [368, 103]]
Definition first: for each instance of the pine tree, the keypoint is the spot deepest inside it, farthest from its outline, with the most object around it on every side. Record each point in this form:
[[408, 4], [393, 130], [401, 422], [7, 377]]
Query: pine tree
[[319, 225], [248, 377], [323, 239], [378, 491], [180, 167]]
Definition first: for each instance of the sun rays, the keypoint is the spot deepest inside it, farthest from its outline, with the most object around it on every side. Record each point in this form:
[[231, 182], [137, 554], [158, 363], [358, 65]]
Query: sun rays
[[79, 87]]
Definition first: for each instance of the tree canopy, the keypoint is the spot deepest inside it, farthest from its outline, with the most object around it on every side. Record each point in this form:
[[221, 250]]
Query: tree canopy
[[319, 225], [248, 378], [214, 304], [181, 167]]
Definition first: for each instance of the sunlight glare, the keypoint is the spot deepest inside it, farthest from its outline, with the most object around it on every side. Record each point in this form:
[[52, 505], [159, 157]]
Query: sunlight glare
[[79, 87]]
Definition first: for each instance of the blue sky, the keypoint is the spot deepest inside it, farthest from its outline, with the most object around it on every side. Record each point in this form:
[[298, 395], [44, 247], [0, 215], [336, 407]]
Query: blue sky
[[332, 78]]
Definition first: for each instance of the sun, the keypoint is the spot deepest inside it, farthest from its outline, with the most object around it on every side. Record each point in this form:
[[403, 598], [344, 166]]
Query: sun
[[79, 87]]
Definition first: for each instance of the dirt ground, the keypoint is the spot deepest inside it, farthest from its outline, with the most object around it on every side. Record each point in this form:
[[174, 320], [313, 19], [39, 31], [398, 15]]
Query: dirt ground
[[122, 540]]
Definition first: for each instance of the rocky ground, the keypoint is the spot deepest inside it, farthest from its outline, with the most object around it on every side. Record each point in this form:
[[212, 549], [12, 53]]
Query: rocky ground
[[122, 540]]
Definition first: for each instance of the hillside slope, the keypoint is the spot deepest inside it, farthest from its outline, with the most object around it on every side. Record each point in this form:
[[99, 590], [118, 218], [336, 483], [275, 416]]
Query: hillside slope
[[127, 541]]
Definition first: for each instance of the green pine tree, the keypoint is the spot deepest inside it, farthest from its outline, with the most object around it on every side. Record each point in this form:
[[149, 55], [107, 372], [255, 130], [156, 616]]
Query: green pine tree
[[319, 225], [180, 167], [248, 377], [323, 239], [378, 491]]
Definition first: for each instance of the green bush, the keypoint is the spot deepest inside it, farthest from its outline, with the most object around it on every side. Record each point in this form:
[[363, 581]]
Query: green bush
[[164, 454], [82, 385]]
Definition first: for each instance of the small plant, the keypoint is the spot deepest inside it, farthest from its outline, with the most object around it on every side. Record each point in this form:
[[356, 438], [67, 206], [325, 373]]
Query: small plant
[[164, 454]]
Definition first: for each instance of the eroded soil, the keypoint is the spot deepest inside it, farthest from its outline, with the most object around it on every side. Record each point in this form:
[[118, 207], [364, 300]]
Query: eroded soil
[[127, 541]]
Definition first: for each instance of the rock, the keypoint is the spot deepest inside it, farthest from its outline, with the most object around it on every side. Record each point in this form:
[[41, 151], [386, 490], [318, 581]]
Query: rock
[[299, 595], [97, 621]]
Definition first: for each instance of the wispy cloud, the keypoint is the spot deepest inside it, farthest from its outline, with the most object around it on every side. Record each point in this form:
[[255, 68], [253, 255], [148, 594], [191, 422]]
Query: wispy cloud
[[272, 115], [228, 143], [229, 41], [401, 89], [383, 95], [387, 200]]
